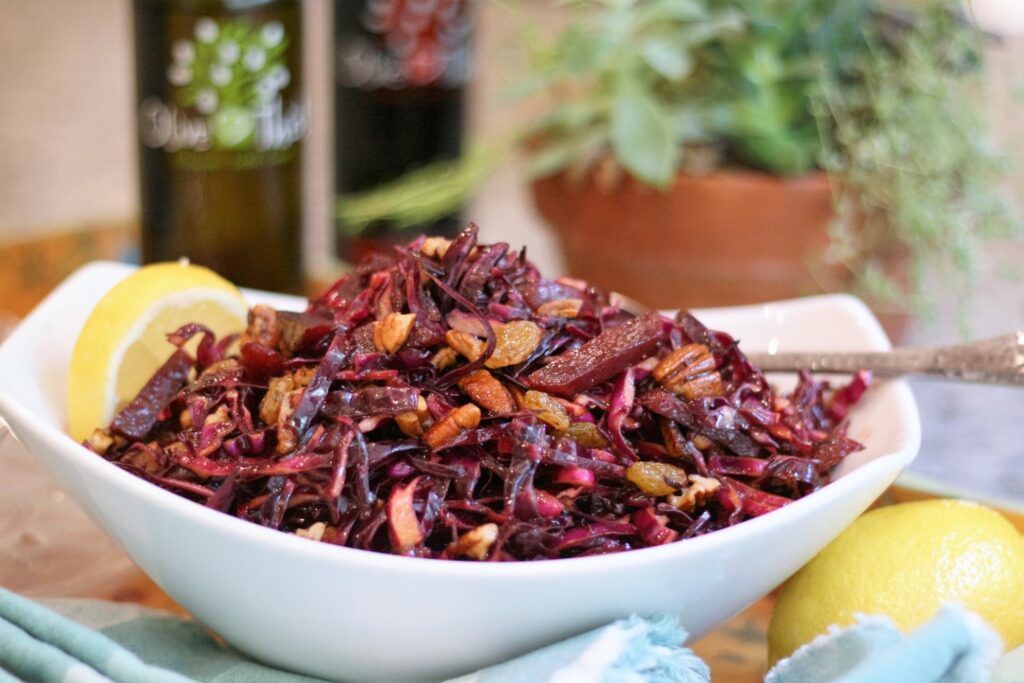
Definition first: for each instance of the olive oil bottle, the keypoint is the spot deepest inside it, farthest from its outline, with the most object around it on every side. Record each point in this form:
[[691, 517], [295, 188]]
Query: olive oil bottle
[[221, 119]]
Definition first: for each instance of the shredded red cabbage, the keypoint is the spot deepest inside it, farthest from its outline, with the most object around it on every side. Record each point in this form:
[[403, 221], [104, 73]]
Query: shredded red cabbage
[[445, 400]]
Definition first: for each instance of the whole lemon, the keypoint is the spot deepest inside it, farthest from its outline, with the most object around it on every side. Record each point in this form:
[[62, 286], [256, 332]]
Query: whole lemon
[[904, 561]]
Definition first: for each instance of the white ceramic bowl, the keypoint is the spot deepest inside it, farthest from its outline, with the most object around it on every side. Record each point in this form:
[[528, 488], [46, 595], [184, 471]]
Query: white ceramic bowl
[[348, 614]]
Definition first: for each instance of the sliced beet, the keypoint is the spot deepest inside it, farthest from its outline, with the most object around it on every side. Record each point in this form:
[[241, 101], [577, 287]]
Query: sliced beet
[[303, 332], [138, 417], [601, 358]]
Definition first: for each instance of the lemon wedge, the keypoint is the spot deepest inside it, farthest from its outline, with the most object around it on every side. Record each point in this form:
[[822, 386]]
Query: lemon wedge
[[124, 341]]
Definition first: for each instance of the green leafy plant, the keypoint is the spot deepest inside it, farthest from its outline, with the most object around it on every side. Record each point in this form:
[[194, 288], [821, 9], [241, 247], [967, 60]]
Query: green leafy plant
[[880, 99], [916, 176]]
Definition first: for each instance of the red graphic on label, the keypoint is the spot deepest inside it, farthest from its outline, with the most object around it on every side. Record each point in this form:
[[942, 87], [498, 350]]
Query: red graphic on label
[[421, 34]]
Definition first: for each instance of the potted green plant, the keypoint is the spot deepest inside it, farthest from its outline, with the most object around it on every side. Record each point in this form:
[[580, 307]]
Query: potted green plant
[[727, 151], [711, 152]]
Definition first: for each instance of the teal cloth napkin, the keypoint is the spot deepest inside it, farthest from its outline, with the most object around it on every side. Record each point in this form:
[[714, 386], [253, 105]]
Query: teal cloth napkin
[[954, 647], [86, 641], [100, 642]]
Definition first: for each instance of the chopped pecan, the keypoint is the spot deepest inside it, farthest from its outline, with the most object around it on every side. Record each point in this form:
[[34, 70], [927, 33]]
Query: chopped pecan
[[219, 416], [444, 358], [451, 425], [287, 437], [672, 436], [390, 333], [149, 459], [435, 247], [302, 376], [314, 532], [411, 422], [100, 441], [475, 543], [270, 406], [562, 308], [690, 371], [696, 493], [225, 366], [487, 391], [701, 442], [263, 327], [466, 344]]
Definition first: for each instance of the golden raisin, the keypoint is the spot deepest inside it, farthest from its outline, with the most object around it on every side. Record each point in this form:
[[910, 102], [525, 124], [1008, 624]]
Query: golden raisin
[[547, 409], [515, 342], [656, 478], [562, 308], [587, 434]]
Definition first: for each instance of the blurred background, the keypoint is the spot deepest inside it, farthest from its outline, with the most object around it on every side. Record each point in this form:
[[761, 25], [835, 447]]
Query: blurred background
[[686, 152]]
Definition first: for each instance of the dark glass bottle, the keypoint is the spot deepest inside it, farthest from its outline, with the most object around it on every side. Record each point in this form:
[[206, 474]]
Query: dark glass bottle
[[401, 70], [221, 115]]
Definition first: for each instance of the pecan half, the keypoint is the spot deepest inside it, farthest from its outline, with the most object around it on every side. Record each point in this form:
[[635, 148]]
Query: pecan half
[[451, 425], [690, 371], [487, 391]]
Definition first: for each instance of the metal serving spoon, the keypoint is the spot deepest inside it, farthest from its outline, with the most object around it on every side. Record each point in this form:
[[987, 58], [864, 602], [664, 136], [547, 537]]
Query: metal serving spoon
[[992, 361]]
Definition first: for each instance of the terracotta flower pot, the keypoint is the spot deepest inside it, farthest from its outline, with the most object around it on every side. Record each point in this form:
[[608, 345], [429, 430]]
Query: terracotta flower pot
[[732, 237]]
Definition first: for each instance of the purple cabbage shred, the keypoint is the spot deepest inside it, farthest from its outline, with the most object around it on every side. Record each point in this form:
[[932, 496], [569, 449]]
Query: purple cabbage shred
[[394, 415]]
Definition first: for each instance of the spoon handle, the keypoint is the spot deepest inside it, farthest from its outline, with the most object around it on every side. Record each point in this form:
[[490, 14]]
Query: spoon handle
[[992, 361]]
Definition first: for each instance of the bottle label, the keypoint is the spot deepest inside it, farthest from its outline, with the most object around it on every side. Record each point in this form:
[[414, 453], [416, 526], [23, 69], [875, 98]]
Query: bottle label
[[227, 82], [407, 43]]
